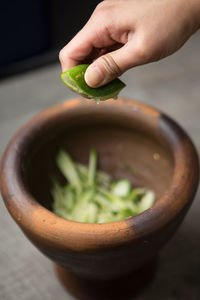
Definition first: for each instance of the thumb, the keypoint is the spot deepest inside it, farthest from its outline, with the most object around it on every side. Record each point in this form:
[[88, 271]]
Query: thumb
[[109, 66]]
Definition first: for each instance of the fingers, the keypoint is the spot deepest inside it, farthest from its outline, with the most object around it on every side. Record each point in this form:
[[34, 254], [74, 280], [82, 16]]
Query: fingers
[[113, 64], [83, 47], [105, 32], [76, 50], [87, 43]]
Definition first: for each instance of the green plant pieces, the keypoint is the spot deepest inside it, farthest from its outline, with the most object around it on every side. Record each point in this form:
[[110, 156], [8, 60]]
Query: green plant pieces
[[104, 203], [74, 79], [103, 179], [92, 213], [92, 196], [135, 195], [115, 200], [121, 188], [69, 170], [146, 201], [62, 204], [92, 167], [103, 218], [82, 173], [79, 212]]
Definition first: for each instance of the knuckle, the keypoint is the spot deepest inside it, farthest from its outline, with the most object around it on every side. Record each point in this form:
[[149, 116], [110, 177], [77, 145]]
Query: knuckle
[[142, 51], [100, 5], [102, 8], [102, 14], [110, 65], [61, 56]]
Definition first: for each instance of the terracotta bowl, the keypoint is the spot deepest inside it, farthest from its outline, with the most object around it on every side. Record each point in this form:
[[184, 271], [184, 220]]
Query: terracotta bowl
[[126, 134]]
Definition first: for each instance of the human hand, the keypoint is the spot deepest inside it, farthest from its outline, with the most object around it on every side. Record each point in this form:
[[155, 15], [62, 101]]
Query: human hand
[[122, 34]]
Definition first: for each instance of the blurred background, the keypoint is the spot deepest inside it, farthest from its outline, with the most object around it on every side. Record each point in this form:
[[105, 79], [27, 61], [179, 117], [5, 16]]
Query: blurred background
[[32, 33]]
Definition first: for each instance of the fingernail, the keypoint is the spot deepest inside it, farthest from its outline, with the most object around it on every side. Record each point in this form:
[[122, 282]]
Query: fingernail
[[94, 76]]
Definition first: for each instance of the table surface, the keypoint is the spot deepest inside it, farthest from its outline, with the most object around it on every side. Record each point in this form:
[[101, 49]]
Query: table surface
[[172, 85]]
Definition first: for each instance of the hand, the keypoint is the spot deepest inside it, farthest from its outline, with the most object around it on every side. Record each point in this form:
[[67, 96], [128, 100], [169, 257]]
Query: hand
[[122, 34]]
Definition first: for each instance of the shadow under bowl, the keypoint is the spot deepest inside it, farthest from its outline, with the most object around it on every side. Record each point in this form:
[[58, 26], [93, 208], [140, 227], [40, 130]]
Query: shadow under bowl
[[133, 141]]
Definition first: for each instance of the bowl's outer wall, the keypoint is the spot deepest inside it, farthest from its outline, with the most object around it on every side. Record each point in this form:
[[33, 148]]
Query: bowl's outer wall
[[101, 250], [110, 261]]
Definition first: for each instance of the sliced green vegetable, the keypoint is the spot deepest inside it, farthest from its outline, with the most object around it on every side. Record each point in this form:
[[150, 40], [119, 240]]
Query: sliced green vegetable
[[92, 196], [121, 188], [92, 167], [74, 79], [146, 201], [68, 169]]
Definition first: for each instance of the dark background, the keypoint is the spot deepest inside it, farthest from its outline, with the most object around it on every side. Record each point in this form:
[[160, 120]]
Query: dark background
[[33, 31]]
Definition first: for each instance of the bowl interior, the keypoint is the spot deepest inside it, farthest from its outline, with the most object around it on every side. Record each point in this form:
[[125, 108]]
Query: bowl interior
[[124, 151]]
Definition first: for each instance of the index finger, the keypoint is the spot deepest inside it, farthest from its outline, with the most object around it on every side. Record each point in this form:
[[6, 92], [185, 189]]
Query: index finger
[[75, 51], [92, 35]]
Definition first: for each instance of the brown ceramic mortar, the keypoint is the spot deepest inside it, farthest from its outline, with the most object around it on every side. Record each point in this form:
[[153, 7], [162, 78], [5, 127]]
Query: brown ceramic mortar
[[133, 140]]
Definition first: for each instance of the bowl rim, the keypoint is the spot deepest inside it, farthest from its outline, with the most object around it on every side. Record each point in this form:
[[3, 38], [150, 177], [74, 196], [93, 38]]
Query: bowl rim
[[35, 218]]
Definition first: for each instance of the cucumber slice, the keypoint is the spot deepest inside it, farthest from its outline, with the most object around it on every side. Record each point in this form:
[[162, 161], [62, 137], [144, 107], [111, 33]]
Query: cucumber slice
[[74, 79]]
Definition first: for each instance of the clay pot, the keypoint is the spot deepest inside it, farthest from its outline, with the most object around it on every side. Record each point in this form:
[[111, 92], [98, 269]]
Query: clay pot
[[133, 140]]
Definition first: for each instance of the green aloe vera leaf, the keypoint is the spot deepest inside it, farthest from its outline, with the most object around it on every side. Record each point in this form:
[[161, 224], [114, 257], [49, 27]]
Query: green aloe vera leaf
[[74, 79]]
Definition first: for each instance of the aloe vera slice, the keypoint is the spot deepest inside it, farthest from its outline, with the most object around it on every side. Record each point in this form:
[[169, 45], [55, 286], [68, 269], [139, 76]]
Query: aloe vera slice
[[121, 188], [92, 167], [92, 196], [68, 169], [146, 201], [74, 79]]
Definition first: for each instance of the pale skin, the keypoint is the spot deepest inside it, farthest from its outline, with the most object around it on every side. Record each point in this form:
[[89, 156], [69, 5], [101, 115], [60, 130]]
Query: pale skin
[[122, 34]]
